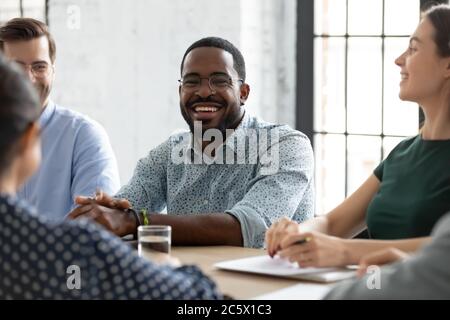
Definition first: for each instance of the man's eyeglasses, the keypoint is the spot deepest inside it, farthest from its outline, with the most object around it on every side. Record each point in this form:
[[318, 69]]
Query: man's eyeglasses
[[38, 69], [217, 82]]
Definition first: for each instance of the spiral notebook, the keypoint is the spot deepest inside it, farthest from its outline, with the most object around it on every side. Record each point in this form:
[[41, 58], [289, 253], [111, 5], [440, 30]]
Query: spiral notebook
[[278, 267]]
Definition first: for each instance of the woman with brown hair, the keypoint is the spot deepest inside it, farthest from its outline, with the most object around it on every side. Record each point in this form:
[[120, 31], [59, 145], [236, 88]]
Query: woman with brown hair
[[72, 259], [409, 191]]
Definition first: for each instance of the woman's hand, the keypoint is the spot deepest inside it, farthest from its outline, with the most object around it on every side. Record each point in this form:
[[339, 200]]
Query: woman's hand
[[277, 232], [317, 250]]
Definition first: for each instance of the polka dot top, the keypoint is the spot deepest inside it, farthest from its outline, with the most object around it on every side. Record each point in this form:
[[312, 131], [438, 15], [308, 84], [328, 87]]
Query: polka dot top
[[79, 260]]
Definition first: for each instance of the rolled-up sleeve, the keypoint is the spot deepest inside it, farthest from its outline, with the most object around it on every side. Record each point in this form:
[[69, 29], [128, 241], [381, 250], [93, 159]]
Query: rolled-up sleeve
[[288, 191]]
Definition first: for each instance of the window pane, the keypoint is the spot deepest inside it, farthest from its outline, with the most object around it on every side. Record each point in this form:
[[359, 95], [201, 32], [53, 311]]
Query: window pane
[[400, 117], [363, 157], [408, 10], [330, 171], [364, 85], [329, 17], [389, 144], [9, 9], [34, 9], [329, 86], [365, 17]]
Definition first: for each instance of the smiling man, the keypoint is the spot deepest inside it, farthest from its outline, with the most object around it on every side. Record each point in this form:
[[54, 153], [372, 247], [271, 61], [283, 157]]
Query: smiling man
[[77, 155], [211, 201]]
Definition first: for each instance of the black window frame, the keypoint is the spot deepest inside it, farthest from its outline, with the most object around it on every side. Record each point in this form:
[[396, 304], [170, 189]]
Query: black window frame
[[305, 76], [46, 8]]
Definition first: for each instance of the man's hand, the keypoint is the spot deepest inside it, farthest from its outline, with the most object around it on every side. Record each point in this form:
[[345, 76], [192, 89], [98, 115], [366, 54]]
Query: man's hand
[[117, 221], [380, 257], [103, 199]]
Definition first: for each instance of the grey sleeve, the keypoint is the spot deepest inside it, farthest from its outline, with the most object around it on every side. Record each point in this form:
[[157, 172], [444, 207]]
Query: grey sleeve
[[425, 275]]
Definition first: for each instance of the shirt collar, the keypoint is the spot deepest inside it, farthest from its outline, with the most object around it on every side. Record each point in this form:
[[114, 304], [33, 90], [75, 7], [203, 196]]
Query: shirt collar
[[11, 199], [19, 204], [241, 130], [48, 112], [230, 143]]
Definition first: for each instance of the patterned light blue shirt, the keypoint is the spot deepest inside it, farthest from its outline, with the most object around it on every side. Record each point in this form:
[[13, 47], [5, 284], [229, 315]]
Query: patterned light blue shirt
[[251, 191], [77, 158]]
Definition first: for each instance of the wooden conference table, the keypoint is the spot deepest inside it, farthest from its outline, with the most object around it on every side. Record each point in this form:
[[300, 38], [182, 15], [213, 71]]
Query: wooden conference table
[[234, 284]]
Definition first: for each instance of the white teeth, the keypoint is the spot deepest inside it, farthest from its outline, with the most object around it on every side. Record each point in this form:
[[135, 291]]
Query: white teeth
[[205, 109]]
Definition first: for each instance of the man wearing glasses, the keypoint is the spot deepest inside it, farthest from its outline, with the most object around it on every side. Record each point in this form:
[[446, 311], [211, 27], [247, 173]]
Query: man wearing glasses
[[214, 195], [77, 155]]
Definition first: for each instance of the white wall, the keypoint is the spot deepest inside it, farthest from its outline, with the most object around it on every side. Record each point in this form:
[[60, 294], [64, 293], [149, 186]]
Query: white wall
[[119, 63]]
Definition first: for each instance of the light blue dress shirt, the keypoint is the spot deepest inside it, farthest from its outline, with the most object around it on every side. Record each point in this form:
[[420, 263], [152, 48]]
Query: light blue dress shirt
[[257, 197], [77, 158]]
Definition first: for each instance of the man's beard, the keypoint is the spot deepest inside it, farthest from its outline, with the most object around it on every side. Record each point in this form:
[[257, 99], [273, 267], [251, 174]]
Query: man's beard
[[228, 122]]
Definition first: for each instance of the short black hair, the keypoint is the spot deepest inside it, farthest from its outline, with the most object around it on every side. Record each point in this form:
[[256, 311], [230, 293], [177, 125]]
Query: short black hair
[[216, 42], [19, 107]]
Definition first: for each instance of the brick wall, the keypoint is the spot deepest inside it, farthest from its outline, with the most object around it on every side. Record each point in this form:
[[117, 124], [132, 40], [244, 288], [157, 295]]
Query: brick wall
[[118, 61]]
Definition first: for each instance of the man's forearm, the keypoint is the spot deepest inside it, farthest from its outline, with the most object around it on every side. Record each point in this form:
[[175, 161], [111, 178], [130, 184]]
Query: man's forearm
[[201, 229]]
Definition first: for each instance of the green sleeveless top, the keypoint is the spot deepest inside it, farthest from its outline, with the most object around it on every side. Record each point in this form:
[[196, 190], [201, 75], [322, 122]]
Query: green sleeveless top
[[414, 191]]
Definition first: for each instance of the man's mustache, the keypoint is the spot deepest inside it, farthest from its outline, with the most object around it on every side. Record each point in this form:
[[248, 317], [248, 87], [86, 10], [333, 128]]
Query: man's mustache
[[204, 100]]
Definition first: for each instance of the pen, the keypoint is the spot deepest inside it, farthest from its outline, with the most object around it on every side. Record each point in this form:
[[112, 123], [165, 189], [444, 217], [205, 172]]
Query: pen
[[302, 241]]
